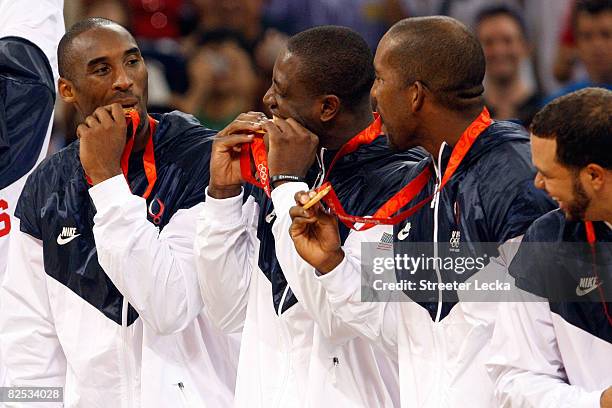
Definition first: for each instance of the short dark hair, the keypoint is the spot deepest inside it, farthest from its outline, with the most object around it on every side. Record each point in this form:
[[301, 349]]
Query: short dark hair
[[65, 56], [501, 10], [335, 61], [592, 7], [444, 55], [581, 123]]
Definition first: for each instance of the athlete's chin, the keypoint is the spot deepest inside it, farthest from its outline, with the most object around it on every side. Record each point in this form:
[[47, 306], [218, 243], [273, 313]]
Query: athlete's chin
[[568, 215], [572, 214]]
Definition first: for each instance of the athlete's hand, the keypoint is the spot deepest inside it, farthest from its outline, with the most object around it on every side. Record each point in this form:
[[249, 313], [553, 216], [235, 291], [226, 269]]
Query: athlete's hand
[[606, 398], [292, 148], [315, 234], [102, 140], [225, 178]]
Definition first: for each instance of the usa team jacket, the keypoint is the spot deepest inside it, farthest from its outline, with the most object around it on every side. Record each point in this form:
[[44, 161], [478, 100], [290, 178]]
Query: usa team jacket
[[440, 346], [101, 294], [285, 359], [554, 347], [29, 33]]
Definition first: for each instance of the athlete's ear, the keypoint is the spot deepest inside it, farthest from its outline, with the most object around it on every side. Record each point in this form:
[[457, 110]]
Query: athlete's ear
[[416, 96], [330, 106], [595, 176], [66, 90]]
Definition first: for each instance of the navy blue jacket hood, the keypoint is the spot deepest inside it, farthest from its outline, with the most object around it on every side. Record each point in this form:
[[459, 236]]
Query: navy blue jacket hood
[[25, 76]]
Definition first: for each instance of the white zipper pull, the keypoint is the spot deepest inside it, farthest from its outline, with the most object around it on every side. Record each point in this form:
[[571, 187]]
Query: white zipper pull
[[336, 363], [181, 388], [282, 302], [435, 197], [321, 175]]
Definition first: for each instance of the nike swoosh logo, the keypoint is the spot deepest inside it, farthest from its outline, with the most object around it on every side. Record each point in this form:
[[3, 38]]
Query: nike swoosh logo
[[403, 234], [270, 217], [63, 241], [582, 292]]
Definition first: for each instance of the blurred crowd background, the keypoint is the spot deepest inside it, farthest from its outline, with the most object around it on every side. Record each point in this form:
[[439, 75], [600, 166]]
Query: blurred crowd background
[[214, 58]]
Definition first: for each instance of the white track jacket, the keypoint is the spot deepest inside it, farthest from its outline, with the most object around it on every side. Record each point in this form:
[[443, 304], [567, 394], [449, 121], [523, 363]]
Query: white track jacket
[[286, 359]]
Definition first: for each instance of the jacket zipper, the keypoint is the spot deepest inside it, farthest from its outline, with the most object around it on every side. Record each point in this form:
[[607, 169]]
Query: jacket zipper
[[317, 183], [126, 353], [436, 204], [283, 339]]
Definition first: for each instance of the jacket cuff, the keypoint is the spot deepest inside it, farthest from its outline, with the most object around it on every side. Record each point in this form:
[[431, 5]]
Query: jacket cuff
[[224, 210], [283, 196], [110, 193], [592, 399], [342, 281]]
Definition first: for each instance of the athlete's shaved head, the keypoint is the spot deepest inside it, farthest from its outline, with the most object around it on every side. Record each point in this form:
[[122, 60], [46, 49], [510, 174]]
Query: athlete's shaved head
[[65, 49], [337, 61], [441, 53], [428, 87]]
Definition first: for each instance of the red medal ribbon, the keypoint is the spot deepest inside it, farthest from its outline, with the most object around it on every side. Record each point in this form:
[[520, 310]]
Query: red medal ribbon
[[592, 240], [590, 233], [257, 150], [384, 214], [148, 157]]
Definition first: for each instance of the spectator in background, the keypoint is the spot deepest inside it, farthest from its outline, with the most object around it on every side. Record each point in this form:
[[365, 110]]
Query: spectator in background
[[157, 19], [566, 58], [371, 18], [222, 80], [502, 33], [593, 37], [245, 18], [463, 10], [544, 34]]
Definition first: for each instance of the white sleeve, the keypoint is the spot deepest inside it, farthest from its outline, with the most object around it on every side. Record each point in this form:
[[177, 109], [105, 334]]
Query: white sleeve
[[154, 271], [225, 252], [525, 363], [38, 21], [29, 346], [333, 300]]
